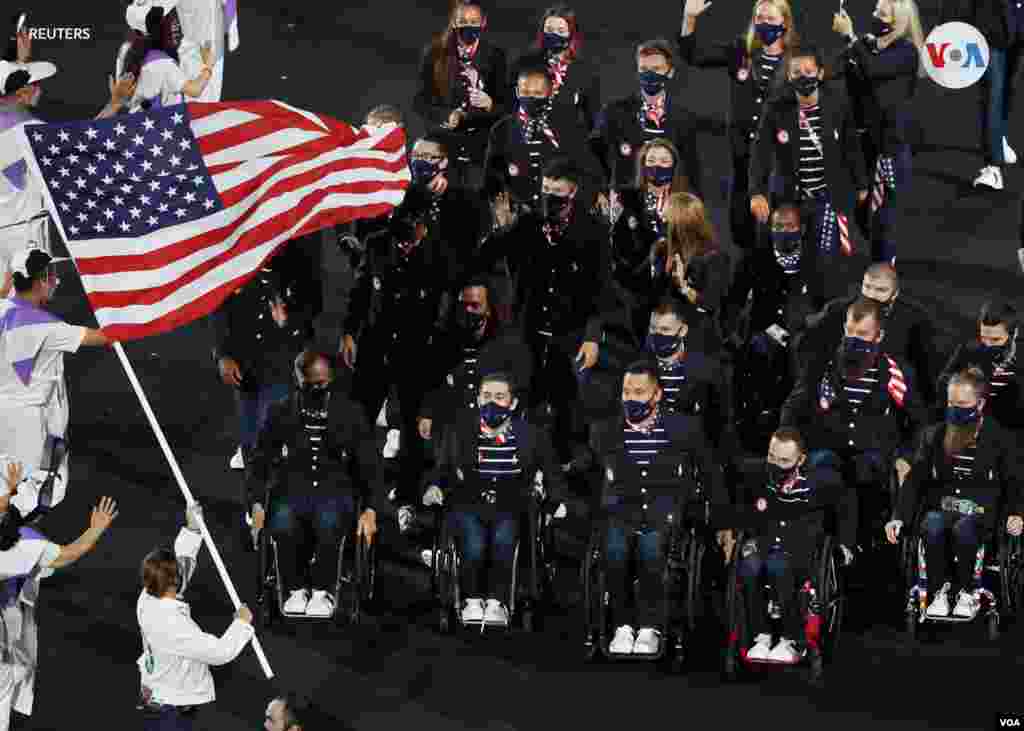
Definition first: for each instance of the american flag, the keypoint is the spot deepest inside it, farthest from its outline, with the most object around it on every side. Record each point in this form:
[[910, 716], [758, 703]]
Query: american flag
[[168, 211]]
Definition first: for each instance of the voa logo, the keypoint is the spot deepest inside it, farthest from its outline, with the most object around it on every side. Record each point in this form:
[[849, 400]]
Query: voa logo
[[955, 55], [1009, 723]]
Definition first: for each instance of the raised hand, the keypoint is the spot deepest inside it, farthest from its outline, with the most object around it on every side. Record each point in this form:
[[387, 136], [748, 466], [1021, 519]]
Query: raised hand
[[103, 514]]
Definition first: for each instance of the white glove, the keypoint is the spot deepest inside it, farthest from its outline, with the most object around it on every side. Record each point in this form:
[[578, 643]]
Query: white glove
[[847, 555], [778, 334], [433, 496], [193, 517], [561, 512], [405, 516], [394, 441], [538, 484]]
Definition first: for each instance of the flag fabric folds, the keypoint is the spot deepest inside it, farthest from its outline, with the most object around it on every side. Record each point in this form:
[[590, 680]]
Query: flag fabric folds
[[166, 212]]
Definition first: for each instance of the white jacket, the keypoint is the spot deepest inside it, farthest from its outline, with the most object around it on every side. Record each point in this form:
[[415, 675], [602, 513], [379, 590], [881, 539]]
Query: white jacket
[[176, 654]]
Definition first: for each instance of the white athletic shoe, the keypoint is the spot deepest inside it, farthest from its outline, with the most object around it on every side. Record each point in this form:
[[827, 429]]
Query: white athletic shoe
[[648, 642], [785, 652], [495, 613], [623, 642], [297, 602], [991, 177], [321, 605], [762, 648], [940, 604], [473, 611], [966, 605], [1009, 156], [237, 461]]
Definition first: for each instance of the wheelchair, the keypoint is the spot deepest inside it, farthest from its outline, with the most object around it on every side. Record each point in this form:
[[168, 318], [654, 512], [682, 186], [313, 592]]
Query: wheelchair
[[821, 605], [999, 563], [356, 580], [523, 606], [682, 584]]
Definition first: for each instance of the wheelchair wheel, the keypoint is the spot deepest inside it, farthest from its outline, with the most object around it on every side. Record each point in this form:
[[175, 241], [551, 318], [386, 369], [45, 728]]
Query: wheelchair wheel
[[993, 626], [735, 614], [267, 596], [591, 634]]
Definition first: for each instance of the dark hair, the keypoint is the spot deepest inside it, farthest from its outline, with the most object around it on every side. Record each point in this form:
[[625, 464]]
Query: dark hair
[[657, 46], [569, 16], [805, 51], [388, 113], [37, 265], [10, 527], [16, 81], [296, 711], [442, 50], [478, 280], [642, 368], [562, 168], [671, 306], [535, 68], [790, 435], [500, 377], [142, 44], [435, 138], [159, 572], [864, 308], [998, 312]]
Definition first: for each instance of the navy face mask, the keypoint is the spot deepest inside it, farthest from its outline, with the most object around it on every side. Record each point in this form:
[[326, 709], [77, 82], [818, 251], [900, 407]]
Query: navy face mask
[[423, 171], [554, 206], [805, 85], [992, 351], [652, 82], [859, 346], [555, 43], [532, 106], [637, 411], [314, 395], [769, 33], [659, 175], [663, 346], [777, 475], [470, 322], [494, 415], [961, 415], [469, 34]]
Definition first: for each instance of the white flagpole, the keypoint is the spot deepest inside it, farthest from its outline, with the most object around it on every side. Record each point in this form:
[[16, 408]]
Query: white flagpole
[[189, 499]]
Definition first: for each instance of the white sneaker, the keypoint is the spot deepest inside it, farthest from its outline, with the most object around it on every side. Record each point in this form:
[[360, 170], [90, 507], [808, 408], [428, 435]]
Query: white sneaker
[[762, 648], [648, 642], [427, 557], [785, 652], [1020, 259], [321, 605], [966, 605], [623, 642], [473, 611], [991, 177], [495, 613], [237, 461], [297, 602], [940, 604], [1009, 156], [394, 440]]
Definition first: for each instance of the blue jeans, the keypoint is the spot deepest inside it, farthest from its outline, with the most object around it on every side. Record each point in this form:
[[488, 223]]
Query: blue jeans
[[938, 526], [778, 568], [998, 102], [253, 408], [299, 522], [650, 552], [475, 532]]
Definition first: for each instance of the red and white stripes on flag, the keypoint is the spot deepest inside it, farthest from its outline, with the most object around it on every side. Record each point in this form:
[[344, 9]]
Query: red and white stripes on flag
[[278, 173], [897, 385], [843, 224]]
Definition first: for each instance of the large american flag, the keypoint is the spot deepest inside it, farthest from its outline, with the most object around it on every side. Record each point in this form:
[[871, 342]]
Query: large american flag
[[168, 211]]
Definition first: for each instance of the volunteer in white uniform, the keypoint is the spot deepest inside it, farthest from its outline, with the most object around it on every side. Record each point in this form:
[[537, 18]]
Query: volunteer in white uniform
[[155, 57], [177, 653], [33, 393], [26, 557], [206, 21]]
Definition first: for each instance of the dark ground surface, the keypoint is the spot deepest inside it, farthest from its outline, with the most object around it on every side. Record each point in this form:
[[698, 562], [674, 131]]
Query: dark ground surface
[[398, 672]]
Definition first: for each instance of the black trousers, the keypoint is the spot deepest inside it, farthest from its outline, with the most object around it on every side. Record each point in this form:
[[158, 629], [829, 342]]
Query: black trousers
[[556, 382], [781, 566]]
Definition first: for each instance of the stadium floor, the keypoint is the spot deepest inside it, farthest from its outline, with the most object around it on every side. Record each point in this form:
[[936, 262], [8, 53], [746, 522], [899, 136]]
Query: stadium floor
[[958, 246]]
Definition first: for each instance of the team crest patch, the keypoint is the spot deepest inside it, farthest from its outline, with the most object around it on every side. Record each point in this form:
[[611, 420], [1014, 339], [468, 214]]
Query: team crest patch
[[513, 169], [742, 75], [626, 149], [762, 504], [782, 137]]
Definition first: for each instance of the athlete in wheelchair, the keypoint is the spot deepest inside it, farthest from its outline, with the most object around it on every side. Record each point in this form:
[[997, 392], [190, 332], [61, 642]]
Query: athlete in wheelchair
[[313, 467], [486, 476], [660, 479], [966, 476], [781, 535]]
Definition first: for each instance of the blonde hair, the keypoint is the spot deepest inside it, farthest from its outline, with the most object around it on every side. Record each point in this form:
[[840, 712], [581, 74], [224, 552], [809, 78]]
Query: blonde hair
[[690, 232], [906, 23], [680, 183], [791, 39]]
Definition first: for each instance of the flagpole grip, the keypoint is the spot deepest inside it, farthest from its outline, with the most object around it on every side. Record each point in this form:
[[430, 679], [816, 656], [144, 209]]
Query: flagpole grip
[[189, 499]]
